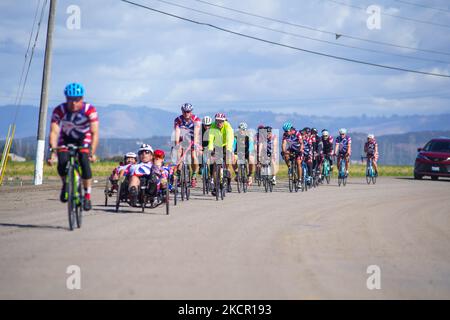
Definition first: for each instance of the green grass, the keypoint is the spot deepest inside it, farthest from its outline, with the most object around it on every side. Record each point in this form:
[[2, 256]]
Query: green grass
[[99, 169]]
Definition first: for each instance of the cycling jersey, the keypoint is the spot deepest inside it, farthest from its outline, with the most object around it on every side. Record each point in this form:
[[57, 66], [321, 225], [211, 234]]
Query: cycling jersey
[[141, 169], [243, 142], [370, 148], [75, 126], [186, 126], [308, 142], [293, 141], [343, 143], [126, 168], [327, 144], [205, 137], [223, 137]]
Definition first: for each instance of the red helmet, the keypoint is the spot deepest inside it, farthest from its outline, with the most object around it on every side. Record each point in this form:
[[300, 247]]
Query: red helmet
[[159, 154]]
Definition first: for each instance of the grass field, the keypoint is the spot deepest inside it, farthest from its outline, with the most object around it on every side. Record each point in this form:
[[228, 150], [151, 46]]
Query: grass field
[[102, 169]]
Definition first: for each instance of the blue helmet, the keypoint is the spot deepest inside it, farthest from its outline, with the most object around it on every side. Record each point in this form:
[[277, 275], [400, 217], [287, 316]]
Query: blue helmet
[[74, 90], [287, 126]]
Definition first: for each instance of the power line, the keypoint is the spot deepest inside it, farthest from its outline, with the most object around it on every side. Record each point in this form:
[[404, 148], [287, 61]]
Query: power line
[[287, 46], [422, 6], [323, 31], [301, 36], [392, 15], [19, 102]]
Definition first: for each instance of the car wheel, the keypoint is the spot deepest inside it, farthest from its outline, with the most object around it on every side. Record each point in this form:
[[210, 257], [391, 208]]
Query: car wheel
[[434, 177], [418, 177]]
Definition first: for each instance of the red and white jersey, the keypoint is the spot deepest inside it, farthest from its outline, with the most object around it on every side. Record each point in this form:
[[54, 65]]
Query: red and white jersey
[[141, 169], [75, 126], [187, 126], [126, 168]]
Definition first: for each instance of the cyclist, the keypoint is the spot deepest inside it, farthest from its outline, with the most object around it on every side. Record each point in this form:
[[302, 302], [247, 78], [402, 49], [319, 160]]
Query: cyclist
[[139, 170], [269, 143], [221, 136], [292, 143], [343, 148], [74, 122], [187, 137], [327, 149], [159, 175], [308, 142], [243, 145], [129, 159], [206, 125], [371, 150], [257, 144]]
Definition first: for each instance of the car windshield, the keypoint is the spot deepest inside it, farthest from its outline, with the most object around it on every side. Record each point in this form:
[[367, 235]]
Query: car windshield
[[438, 146]]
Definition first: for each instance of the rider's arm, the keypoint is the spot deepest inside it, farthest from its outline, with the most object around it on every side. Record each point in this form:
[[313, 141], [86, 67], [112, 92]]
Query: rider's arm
[[177, 132], [53, 137], [197, 133], [211, 138], [230, 136], [283, 145], [94, 133]]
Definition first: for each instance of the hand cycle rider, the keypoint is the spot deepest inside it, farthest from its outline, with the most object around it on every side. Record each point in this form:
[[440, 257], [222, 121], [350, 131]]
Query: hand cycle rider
[[129, 159], [74, 122], [327, 143], [140, 170], [187, 128], [221, 136], [371, 150], [292, 143], [268, 146], [243, 148], [343, 149]]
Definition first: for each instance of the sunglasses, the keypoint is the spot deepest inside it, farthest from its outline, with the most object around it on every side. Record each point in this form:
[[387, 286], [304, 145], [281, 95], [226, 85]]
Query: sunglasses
[[145, 151], [74, 99]]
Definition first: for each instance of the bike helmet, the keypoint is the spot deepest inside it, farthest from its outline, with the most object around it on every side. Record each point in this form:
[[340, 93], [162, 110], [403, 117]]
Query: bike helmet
[[307, 130], [159, 154], [220, 116], [269, 129], [145, 147], [74, 90], [243, 126], [287, 126], [207, 120], [342, 131], [261, 126], [370, 136], [325, 133], [129, 155], [186, 107], [314, 131]]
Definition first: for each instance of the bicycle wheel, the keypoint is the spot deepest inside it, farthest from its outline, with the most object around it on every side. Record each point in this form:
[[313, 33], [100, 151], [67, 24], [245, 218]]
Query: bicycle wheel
[[296, 179], [328, 178], [175, 189], [245, 178], [374, 179], [182, 183], [239, 178], [258, 175], [188, 181], [118, 195], [107, 191], [305, 179], [167, 200], [291, 179], [217, 181], [80, 202], [368, 178], [71, 205]]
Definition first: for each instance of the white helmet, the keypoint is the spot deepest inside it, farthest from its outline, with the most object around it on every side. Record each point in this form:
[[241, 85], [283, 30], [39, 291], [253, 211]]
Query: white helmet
[[207, 121], [370, 136], [325, 133], [343, 131], [129, 155], [243, 126], [145, 147]]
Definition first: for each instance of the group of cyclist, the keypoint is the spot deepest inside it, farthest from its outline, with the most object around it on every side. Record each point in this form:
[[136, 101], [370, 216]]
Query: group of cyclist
[[198, 142]]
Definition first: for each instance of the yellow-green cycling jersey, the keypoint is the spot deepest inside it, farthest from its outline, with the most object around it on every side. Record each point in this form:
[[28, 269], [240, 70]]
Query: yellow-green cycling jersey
[[221, 137]]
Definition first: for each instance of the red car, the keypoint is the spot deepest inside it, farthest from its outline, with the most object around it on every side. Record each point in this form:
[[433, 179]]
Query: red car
[[433, 160]]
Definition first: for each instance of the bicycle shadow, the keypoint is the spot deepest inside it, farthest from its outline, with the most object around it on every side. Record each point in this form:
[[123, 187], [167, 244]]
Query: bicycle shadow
[[33, 226]]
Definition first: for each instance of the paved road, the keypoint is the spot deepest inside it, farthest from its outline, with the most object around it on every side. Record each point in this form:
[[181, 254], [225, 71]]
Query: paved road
[[317, 244]]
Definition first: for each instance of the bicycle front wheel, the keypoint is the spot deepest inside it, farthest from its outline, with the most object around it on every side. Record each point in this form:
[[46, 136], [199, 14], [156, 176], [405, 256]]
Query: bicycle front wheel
[[71, 205]]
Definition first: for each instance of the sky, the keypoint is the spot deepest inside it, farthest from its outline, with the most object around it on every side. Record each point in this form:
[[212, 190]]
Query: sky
[[128, 55]]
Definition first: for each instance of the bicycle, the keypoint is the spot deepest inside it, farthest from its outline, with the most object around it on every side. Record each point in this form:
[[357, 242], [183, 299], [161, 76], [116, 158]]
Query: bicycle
[[73, 186], [205, 174], [342, 174], [242, 175], [258, 178], [305, 176], [371, 176], [267, 176], [220, 181], [293, 173], [326, 170]]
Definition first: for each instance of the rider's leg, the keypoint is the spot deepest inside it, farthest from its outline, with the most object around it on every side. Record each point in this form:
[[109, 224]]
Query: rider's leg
[[347, 160], [375, 166], [63, 158], [86, 175], [299, 167]]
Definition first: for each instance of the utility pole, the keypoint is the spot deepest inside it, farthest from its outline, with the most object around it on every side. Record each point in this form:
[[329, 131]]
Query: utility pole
[[40, 150]]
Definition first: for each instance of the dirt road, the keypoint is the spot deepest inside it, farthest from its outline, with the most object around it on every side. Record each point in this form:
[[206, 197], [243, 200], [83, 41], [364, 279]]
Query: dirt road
[[310, 245]]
